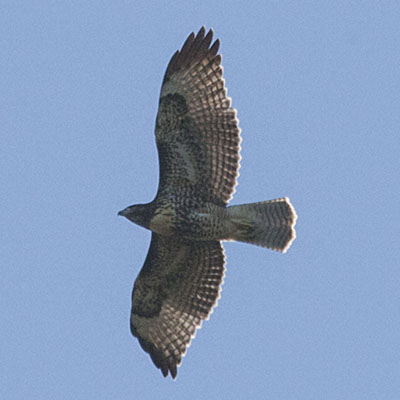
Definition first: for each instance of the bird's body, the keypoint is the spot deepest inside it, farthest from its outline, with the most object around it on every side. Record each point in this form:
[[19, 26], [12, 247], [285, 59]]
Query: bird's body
[[198, 141], [209, 221]]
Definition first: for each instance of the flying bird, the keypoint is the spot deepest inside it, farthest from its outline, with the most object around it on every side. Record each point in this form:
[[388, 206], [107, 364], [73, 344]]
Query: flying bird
[[198, 141]]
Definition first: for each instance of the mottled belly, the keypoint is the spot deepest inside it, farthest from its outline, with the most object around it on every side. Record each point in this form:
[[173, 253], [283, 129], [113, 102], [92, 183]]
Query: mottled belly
[[163, 221], [207, 223]]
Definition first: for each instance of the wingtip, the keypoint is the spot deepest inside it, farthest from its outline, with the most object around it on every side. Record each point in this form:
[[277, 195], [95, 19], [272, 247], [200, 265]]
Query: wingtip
[[173, 370], [168, 368], [214, 48], [164, 371], [201, 31], [195, 47]]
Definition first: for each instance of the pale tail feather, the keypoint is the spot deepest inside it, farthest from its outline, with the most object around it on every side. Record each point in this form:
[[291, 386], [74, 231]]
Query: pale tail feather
[[267, 223]]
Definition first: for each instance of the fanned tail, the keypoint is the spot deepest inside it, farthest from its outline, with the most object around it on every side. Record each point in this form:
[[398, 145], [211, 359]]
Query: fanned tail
[[266, 223]]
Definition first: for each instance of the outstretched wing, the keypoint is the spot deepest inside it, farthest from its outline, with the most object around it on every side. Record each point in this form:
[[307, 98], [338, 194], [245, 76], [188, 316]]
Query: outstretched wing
[[197, 132], [176, 289]]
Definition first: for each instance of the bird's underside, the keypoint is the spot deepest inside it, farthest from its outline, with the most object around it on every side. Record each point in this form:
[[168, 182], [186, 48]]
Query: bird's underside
[[198, 142]]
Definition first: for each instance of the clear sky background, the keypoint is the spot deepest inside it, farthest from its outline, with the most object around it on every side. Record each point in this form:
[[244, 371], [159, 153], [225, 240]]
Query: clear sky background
[[316, 85]]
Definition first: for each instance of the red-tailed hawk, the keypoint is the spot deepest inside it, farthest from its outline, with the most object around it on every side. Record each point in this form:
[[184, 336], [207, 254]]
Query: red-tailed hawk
[[198, 142]]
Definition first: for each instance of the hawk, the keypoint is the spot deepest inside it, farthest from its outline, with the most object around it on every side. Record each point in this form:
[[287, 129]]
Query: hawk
[[198, 141]]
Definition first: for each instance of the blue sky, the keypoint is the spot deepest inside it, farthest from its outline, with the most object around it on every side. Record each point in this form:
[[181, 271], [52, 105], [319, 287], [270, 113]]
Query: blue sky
[[316, 85]]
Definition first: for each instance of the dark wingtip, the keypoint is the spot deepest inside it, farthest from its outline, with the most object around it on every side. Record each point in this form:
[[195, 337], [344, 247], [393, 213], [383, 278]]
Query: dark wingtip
[[173, 370], [194, 49], [164, 370], [158, 358], [201, 31], [215, 47]]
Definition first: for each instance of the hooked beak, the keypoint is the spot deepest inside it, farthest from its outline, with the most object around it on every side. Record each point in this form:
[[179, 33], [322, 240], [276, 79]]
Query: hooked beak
[[122, 213]]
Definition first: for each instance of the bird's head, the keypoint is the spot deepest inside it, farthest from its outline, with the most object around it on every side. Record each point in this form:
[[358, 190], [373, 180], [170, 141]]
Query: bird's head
[[139, 214]]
